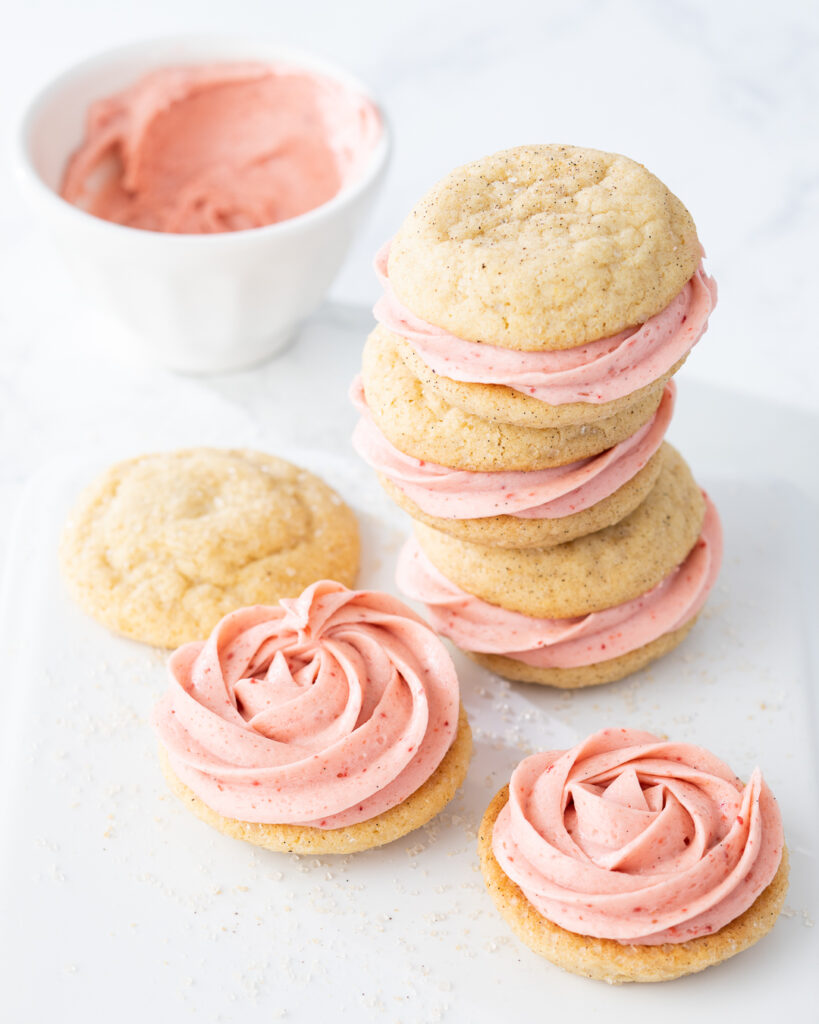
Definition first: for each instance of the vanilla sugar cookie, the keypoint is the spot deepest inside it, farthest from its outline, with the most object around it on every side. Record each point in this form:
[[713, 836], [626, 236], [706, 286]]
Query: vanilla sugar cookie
[[420, 422], [632, 859], [591, 573], [343, 731], [160, 547], [543, 248]]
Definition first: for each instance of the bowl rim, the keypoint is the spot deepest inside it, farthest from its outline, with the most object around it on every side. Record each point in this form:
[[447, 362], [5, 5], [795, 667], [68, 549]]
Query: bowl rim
[[268, 50]]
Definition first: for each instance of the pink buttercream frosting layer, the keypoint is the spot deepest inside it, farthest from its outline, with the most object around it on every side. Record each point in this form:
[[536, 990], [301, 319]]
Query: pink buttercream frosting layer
[[220, 147], [631, 838], [540, 494], [477, 625], [326, 710], [598, 372]]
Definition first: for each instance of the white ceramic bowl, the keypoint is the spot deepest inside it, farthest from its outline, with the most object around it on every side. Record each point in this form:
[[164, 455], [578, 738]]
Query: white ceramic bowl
[[198, 303]]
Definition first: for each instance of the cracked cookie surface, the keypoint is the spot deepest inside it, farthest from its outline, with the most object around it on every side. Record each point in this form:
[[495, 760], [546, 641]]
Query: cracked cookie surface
[[160, 547], [543, 248]]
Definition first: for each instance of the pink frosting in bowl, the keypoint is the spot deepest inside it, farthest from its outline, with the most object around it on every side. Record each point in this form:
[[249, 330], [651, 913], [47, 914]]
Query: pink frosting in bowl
[[539, 494], [477, 625], [632, 838], [597, 372], [196, 293], [220, 147], [326, 710]]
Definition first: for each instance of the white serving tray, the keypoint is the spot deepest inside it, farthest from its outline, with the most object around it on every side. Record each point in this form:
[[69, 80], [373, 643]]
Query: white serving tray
[[118, 904]]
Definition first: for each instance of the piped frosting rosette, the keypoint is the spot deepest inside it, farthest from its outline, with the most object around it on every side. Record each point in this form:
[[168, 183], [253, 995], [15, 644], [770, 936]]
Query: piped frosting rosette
[[324, 711], [537, 494], [631, 838], [600, 371], [477, 625]]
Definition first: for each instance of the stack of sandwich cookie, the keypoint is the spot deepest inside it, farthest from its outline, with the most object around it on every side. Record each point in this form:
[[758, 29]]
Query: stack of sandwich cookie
[[514, 399]]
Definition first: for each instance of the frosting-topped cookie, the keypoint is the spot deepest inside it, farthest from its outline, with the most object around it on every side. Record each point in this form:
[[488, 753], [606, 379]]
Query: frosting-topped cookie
[[160, 547], [307, 725], [631, 858], [544, 247]]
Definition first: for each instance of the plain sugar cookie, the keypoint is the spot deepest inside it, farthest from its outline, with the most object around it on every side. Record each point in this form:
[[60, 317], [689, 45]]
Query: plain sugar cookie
[[160, 547]]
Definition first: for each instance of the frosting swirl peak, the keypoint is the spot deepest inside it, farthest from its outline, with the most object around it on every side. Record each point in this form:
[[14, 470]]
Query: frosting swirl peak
[[325, 711]]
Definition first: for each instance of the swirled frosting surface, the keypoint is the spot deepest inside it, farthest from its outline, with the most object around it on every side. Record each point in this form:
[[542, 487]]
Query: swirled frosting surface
[[325, 710], [600, 371], [632, 838], [477, 625], [539, 494], [220, 147]]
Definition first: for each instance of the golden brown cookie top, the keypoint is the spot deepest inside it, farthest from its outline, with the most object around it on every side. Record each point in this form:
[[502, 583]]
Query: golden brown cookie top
[[160, 547], [543, 247]]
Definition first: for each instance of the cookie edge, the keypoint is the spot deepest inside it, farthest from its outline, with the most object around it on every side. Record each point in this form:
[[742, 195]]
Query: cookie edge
[[419, 807]]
